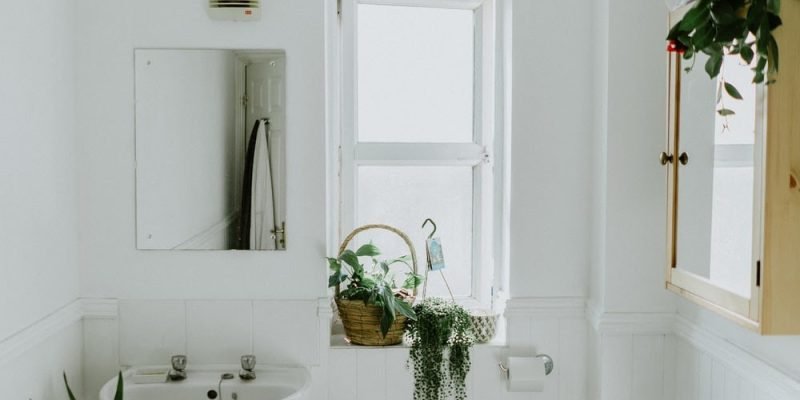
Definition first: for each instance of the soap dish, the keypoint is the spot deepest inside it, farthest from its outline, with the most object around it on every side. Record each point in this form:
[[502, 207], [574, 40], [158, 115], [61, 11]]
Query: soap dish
[[150, 375]]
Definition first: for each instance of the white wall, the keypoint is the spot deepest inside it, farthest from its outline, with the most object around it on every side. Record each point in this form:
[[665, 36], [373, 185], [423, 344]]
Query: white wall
[[38, 200], [186, 164], [38, 205], [107, 33], [551, 148]]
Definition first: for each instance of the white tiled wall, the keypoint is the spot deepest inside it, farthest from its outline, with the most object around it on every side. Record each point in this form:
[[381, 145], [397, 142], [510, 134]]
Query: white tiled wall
[[148, 332], [534, 326]]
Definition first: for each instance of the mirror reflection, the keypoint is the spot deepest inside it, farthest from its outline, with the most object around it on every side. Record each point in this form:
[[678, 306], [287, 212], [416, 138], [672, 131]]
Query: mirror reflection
[[210, 149], [718, 184]]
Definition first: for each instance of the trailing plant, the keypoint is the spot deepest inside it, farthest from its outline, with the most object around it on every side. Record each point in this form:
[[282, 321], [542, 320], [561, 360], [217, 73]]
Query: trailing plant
[[377, 286], [117, 395], [722, 27], [440, 325]]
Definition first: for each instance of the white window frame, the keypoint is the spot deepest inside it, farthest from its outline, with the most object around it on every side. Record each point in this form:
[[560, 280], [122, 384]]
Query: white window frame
[[484, 154]]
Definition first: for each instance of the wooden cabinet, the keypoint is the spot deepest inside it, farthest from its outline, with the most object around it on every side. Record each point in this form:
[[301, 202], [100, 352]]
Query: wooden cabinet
[[734, 187]]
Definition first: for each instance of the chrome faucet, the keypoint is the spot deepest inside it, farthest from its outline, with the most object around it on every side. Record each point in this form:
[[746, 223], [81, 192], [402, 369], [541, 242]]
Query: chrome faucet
[[248, 365], [178, 371]]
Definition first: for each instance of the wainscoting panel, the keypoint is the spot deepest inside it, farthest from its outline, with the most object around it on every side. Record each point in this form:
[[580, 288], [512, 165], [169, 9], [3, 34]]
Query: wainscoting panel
[[556, 327]]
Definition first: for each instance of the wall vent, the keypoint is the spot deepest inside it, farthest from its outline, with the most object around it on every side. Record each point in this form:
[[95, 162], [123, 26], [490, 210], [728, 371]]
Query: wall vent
[[234, 10]]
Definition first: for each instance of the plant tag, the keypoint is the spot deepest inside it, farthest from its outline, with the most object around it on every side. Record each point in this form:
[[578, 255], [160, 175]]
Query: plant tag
[[433, 247]]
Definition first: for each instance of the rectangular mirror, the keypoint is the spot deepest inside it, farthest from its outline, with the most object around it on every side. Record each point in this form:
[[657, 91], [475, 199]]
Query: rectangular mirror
[[210, 149], [715, 161]]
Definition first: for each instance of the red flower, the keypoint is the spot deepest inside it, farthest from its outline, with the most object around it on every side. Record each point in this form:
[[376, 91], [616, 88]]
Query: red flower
[[674, 46]]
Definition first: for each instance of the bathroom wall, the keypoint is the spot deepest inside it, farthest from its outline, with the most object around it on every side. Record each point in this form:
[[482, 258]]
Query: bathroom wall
[[107, 34], [40, 332], [639, 347], [551, 124]]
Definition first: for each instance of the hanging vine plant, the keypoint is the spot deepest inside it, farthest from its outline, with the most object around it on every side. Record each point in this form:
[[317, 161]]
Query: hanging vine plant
[[723, 27], [441, 327]]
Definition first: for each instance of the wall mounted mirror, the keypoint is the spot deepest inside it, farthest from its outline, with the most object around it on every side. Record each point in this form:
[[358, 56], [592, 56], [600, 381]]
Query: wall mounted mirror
[[210, 149], [715, 159]]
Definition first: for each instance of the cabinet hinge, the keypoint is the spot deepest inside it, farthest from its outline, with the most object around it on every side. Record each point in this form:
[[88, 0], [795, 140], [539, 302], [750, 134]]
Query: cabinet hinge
[[244, 101], [758, 273]]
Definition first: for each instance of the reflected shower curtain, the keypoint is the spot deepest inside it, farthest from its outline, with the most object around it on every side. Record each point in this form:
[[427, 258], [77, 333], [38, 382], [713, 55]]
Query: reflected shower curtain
[[258, 201]]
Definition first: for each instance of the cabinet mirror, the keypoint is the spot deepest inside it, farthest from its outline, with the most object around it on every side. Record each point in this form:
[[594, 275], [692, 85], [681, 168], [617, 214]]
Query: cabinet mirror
[[715, 158]]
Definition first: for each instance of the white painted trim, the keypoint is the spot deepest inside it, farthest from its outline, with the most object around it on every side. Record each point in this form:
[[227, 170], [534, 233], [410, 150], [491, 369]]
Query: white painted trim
[[26, 339], [454, 4], [766, 377], [199, 240], [99, 308], [546, 307], [633, 323]]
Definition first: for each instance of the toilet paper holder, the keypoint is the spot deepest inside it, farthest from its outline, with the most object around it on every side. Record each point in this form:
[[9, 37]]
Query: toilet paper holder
[[548, 365]]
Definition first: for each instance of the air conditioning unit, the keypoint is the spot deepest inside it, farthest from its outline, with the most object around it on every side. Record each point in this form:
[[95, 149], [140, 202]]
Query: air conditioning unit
[[234, 10]]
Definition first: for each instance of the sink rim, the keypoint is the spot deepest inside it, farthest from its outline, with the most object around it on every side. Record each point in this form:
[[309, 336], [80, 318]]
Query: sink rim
[[107, 391]]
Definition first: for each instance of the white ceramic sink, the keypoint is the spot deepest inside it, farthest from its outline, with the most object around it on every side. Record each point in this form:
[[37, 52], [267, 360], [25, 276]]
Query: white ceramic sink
[[202, 384]]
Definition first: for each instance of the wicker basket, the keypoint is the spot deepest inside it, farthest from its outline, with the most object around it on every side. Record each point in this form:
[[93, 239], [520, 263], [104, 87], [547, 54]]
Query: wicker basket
[[362, 322]]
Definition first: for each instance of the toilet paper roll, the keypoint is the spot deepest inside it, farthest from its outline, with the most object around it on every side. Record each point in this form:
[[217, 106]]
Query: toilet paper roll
[[525, 374]]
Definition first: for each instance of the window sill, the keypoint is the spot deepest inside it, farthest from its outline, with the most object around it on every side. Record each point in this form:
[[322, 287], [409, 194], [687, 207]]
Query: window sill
[[339, 341]]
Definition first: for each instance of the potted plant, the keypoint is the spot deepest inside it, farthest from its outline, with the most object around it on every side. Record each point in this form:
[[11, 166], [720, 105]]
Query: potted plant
[[373, 307], [729, 27], [117, 394], [441, 337]]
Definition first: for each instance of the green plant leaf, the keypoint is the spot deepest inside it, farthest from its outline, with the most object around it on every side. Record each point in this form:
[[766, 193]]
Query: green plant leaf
[[723, 13], [772, 52], [747, 54], [368, 250], [336, 279], [388, 317], [334, 264], [368, 281], [120, 387], [725, 112], [350, 258], [695, 17], [731, 90], [774, 6], [69, 391], [412, 281], [405, 309], [714, 64]]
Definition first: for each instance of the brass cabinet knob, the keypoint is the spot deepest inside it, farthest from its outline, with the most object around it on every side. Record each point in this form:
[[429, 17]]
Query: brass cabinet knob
[[665, 158], [683, 158]]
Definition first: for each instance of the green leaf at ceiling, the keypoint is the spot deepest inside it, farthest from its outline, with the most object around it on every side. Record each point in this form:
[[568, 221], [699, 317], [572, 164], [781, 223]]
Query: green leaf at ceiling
[[714, 64], [725, 112], [732, 91]]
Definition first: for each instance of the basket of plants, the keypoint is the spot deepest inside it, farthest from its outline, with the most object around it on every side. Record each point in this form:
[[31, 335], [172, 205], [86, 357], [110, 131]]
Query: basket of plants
[[376, 302]]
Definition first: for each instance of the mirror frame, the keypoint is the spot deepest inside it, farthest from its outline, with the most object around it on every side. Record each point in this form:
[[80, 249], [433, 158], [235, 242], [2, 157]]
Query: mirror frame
[[698, 289]]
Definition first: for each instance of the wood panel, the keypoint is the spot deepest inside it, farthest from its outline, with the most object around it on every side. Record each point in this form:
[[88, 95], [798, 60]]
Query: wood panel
[[781, 267]]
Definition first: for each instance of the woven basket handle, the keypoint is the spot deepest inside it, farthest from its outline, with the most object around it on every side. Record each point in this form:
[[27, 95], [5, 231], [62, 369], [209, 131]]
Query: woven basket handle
[[392, 229]]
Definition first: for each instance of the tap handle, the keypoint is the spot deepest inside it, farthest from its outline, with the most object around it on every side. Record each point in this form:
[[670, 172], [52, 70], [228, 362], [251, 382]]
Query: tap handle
[[248, 362], [179, 362]]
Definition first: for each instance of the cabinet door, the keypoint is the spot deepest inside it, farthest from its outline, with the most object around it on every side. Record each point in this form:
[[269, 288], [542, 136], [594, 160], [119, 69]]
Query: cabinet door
[[714, 161]]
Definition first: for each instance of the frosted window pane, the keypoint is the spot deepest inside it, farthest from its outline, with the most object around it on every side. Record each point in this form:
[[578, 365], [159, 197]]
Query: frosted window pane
[[404, 197], [415, 74]]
